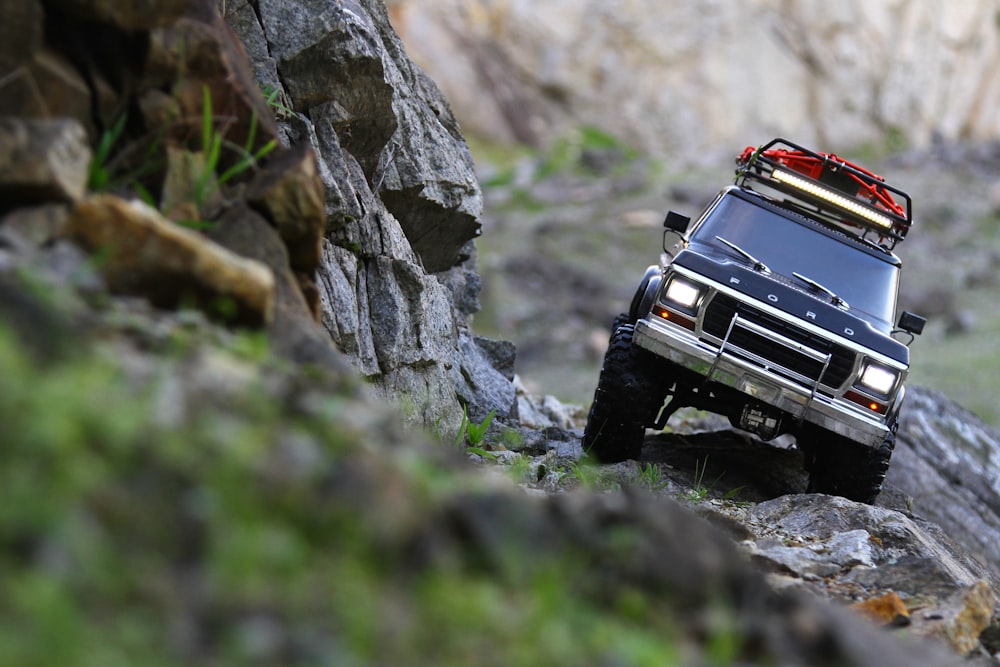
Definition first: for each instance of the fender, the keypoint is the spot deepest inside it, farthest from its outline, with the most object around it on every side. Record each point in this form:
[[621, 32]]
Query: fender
[[642, 302]]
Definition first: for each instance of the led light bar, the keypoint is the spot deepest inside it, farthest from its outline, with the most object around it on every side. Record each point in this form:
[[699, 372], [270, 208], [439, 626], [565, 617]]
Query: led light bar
[[846, 203]]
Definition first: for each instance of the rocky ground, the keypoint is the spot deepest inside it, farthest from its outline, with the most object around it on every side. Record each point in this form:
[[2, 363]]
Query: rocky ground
[[922, 558]]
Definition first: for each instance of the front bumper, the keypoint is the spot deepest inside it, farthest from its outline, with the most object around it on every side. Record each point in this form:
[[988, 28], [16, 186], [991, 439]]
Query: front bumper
[[717, 366]]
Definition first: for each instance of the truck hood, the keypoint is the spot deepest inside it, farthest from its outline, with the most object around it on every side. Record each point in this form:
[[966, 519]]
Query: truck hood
[[778, 292]]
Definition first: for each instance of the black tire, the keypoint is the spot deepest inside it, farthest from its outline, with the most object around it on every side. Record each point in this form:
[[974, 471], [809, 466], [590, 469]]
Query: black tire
[[841, 467], [620, 319], [626, 391], [607, 438]]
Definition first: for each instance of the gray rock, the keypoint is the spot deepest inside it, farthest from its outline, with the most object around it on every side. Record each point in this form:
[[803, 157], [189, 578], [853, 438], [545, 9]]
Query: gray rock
[[480, 386], [401, 202], [501, 355], [542, 412], [243, 19], [344, 307], [947, 461], [331, 55], [42, 160], [823, 558]]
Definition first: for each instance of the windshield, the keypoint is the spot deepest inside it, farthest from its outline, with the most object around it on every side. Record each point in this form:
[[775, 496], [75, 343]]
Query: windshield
[[865, 281]]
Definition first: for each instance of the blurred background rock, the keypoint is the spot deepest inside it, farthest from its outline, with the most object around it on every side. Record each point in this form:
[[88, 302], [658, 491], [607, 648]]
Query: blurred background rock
[[589, 119]]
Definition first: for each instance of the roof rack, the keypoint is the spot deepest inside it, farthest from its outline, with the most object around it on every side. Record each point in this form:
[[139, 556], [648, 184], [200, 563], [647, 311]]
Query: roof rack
[[844, 194]]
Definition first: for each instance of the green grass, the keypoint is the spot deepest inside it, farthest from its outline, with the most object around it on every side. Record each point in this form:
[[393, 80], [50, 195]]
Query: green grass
[[106, 171]]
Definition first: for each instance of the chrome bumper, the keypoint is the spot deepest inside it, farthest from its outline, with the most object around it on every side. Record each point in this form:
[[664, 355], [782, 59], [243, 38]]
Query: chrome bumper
[[716, 365]]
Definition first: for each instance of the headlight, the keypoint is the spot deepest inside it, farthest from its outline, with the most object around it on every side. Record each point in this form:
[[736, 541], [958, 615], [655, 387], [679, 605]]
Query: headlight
[[682, 293], [878, 378]]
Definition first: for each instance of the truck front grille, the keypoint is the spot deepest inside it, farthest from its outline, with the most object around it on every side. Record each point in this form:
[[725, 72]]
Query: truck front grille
[[778, 356]]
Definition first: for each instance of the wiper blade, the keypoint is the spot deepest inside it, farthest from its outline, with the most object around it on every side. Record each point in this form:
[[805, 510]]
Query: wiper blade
[[757, 264], [821, 288]]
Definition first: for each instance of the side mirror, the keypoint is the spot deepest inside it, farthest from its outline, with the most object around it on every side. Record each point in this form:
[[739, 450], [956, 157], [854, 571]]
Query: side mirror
[[912, 323], [676, 222]]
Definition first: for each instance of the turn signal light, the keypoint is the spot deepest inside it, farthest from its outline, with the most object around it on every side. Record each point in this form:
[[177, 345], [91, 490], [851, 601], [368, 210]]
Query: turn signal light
[[676, 318], [866, 402]]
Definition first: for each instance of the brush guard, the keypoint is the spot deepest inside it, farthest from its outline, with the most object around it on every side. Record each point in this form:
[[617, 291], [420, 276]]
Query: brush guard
[[758, 418]]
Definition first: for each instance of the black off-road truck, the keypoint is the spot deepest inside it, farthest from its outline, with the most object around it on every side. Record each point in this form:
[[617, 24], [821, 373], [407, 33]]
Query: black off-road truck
[[776, 309]]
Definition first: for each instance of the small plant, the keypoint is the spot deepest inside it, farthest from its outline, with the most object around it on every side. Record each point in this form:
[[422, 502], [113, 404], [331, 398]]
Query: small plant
[[585, 474], [700, 491], [511, 438], [271, 95], [470, 432], [651, 477], [479, 451], [519, 468], [99, 174], [106, 170], [350, 246], [209, 180]]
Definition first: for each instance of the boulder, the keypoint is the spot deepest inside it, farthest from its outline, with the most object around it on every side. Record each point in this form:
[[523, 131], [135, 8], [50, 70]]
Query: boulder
[[145, 254], [865, 544], [947, 463]]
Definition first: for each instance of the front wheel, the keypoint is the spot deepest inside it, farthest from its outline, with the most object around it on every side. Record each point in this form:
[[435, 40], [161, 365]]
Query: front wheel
[[626, 392], [839, 466]]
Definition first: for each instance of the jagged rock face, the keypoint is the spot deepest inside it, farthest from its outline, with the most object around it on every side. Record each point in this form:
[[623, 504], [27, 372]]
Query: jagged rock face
[[360, 206], [682, 77], [402, 201]]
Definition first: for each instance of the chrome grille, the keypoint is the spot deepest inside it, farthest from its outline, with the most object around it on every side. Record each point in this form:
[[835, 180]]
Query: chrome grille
[[777, 356]]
